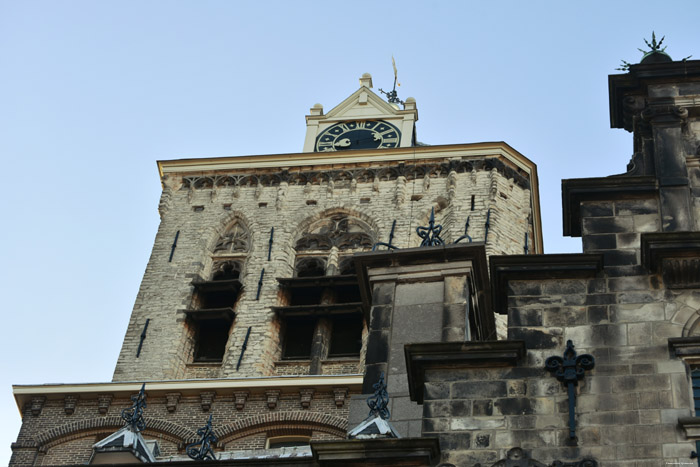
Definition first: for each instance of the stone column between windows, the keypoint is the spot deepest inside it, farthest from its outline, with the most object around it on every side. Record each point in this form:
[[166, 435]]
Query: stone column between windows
[[410, 304]]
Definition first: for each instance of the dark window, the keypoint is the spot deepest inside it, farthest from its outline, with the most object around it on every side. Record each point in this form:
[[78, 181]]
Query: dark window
[[298, 336], [310, 267], [211, 338], [346, 337], [695, 377]]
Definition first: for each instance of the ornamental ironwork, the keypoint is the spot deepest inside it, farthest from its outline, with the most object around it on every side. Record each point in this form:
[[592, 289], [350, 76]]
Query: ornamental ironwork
[[389, 244], [202, 450], [569, 370], [133, 416], [378, 403], [430, 234]]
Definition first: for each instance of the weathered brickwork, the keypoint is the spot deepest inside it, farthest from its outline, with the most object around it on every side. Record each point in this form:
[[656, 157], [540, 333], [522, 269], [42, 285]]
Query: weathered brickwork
[[56, 438]]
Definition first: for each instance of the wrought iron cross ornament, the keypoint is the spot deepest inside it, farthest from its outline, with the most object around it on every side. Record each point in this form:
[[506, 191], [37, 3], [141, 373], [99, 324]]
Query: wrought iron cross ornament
[[430, 234], [380, 400], [133, 416], [204, 451], [569, 370]]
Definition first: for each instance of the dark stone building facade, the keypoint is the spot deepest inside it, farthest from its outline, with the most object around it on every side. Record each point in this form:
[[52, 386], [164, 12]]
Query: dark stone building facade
[[595, 366]]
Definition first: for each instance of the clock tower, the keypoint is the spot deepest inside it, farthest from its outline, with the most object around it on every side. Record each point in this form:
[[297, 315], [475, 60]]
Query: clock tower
[[362, 121]]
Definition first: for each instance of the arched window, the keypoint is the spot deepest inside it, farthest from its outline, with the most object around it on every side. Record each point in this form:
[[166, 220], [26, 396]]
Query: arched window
[[324, 298], [212, 312]]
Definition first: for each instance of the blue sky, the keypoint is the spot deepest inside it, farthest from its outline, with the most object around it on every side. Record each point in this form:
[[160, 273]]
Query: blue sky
[[92, 93]]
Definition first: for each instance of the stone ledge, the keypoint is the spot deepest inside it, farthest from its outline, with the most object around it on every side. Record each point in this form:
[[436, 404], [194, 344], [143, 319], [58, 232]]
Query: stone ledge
[[691, 426], [685, 347], [485, 354], [675, 255], [576, 190], [537, 267], [377, 452]]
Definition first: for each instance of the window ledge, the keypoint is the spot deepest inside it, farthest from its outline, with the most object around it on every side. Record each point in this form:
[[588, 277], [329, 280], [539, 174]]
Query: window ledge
[[204, 364], [691, 426], [685, 347]]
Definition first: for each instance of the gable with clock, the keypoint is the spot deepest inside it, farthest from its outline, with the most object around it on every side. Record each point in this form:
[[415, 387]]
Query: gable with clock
[[362, 121]]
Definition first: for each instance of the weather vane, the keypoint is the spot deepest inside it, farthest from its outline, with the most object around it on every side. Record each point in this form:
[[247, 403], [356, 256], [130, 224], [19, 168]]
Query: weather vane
[[392, 96]]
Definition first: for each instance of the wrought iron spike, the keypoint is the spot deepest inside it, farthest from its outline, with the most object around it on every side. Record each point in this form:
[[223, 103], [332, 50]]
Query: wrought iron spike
[[466, 235], [487, 226], [243, 348], [526, 249], [378, 403], [172, 248], [569, 370], [260, 284], [269, 248], [204, 451], [142, 338], [389, 244], [430, 234], [133, 416]]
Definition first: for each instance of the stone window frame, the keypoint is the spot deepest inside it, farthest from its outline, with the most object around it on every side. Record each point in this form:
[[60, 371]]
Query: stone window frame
[[688, 350], [332, 240], [239, 233]]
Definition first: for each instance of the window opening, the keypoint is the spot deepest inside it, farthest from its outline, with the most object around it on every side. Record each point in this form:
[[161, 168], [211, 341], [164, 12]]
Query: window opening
[[299, 333], [346, 336], [211, 339]]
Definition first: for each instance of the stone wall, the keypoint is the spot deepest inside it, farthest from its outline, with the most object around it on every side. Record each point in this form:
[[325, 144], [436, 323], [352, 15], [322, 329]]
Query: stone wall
[[201, 207]]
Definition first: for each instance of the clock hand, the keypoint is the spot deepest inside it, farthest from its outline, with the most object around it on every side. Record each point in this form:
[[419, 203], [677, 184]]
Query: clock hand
[[343, 143]]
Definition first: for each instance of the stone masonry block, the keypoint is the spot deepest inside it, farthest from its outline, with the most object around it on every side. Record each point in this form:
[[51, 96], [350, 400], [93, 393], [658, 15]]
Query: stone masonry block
[[419, 293]]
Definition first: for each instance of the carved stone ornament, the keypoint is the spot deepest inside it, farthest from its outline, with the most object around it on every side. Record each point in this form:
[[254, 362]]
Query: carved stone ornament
[[103, 403], [339, 395], [337, 230], [235, 240], [206, 399], [69, 403], [306, 395], [171, 401], [240, 398], [37, 405], [517, 457], [273, 396], [666, 113]]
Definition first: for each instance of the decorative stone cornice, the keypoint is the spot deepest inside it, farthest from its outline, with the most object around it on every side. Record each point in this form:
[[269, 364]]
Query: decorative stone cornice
[[105, 392], [341, 178], [685, 347], [452, 355], [576, 190], [690, 426], [534, 267], [674, 255]]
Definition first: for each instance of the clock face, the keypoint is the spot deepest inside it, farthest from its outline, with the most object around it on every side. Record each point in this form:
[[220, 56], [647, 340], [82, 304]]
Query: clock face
[[368, 134]]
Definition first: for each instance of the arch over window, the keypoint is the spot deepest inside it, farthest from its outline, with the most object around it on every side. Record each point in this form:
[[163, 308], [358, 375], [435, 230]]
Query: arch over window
[[235, 240], [310, 266], [226, 270], [340, 230]]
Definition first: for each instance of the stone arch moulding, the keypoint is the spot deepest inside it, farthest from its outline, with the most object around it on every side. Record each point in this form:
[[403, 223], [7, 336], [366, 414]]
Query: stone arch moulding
[[296, 420], [79, 429], [223, 227], [366, 220]]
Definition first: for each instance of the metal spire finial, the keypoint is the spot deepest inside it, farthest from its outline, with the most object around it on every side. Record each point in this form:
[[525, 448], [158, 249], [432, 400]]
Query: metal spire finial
[[133, 416], [380, 400], [204, 451]]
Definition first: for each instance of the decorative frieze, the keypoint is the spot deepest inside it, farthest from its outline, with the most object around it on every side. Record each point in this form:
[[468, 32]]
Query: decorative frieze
[[334, 179]]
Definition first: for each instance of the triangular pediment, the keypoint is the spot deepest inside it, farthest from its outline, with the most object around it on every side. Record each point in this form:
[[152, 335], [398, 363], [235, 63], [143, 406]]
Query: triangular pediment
[[362, 104]]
